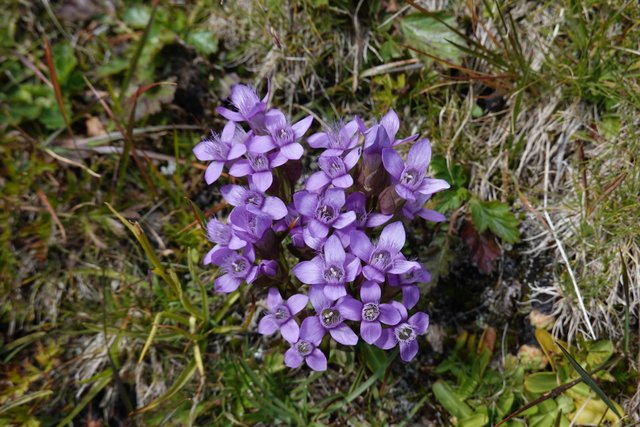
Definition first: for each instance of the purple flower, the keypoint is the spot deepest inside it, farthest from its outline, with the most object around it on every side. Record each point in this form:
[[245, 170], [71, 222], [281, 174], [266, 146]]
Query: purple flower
[[409, 178], [336, 141], [236, 268], [389, 123], [356, 202], [219, 149], [258, 167], [223, 236], [249, 225], [245, 99], [373, 312], [332, 271], [253, 199], [411, 209], [305, 349], [408, 281], [330, 317], [335, 170], [323, 211], [385, 256], [404, 333], [282, 135], [281, 314]]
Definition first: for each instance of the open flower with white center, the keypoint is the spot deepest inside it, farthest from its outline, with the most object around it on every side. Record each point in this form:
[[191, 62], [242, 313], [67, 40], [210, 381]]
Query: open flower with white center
[[330, 317], [374, 313], [384, 257], [332, 270], [281, 135], [405, 333], [220, 149], [322, 211], [335, 170], [409, 178], [281, 315], [236, 268], [253, 199]]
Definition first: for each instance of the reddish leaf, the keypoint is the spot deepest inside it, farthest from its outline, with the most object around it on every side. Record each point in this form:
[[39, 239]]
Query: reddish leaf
[[484, 248]]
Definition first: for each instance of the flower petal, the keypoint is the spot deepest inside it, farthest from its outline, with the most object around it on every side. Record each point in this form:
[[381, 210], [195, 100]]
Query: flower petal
[[352, 268], [431, 215], [317, 181], [230, 115], [240, 168], [274, 207], [334, 254], [410, 296], [310, 272], [370, 292], [392, 162], [297, 303], [344, 335], [401, 266], [318, 140], [213, 172], [393, 236], [370, 331], [311, 330], [420, 155], [201, 152], [389, 315], [267, 325], [290, 330], [318, 229], [344, 220], [261, 144], [352, 158], [372, 273], [408, 350], [233, 194], [317, 360], [350, 308], [302, 126], [273, 299], [420, 322], [292, 358], [387, 339], [376, 219], [360, 245], [334, 197], [236, 150], [391, 124], [262, 180], [305, 203], [226, 283], [334, 291], [344, 181], [433, 185], [292, 151]]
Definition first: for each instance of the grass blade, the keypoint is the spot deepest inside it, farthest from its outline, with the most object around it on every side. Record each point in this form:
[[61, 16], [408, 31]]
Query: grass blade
[[627, 303], [589, 381], [178, 385], [24, 400], [95, 389]]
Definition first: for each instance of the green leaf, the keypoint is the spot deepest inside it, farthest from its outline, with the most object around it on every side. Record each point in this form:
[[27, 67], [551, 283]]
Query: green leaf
[[599, 352], [22, 400], [497, 217], [450, 400], [589, 381], [64, 60], [137, 16], [204, 42], [476, 420], [540, 382], [429, 34], [375, 358]]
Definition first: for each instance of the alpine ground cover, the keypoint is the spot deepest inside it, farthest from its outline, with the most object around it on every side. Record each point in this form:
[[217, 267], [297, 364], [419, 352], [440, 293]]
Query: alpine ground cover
[[108, 314]]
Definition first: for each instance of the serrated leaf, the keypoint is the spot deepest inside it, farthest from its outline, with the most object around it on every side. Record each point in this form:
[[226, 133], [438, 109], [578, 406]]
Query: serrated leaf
[[137, 16], [495, 216], [64, 60]]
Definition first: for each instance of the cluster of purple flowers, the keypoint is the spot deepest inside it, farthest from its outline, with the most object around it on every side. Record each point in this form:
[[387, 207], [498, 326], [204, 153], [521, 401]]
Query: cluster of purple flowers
[[323, 225]]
